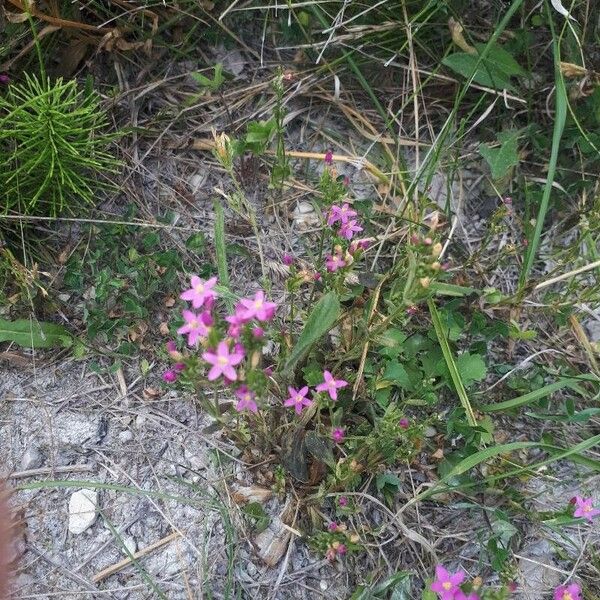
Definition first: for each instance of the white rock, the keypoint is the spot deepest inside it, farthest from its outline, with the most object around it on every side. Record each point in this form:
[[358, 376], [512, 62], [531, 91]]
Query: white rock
[[196, 181], [83, 507], [125, 436], [304, 215], [32, 459], [304, 208], [323, 585]]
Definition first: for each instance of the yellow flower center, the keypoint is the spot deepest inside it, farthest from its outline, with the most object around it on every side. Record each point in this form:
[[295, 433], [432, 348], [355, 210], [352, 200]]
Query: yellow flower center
[[199, 288], [447, 585], [258, 304], [194, 324], [222, 360], [567, 596], [586, 508]]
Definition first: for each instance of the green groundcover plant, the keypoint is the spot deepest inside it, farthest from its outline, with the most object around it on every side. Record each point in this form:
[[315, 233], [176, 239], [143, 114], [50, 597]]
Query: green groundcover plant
[[52, 146]]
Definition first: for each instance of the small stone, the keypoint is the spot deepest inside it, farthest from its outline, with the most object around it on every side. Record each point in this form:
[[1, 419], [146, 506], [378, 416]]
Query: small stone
[[125, 436], [323, 585], [32, 459], [251, 569], [304, 208], [430, 431], [83, 507], [196, 182]]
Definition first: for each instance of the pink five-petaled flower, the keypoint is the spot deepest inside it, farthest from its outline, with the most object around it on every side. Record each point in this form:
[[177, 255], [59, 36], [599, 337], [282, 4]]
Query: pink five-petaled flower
[[584, 508], [223, 361], [348, 229], [200, 292], [245, 399], [446, 584], [338, 435], [567, 592], [195, 326], [340, 213], [298, 398], [334, 262], [331, 385], [257, 307]]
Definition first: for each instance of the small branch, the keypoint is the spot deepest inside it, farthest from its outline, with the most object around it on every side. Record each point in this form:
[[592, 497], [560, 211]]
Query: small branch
[[127, 561], [50, 471]]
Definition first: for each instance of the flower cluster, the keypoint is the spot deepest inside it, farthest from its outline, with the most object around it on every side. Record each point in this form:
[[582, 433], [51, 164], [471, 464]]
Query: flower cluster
[[448, 586], [227, 342], [298, 399], [343, 217]]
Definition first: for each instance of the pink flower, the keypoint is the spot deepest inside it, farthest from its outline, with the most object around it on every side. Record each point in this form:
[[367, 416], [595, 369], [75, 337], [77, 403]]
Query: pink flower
[[317, 276], [195, 326], [341, 549], [358, 245], [584, 508], [223, 361], [328, 157], [178, 367], [257, 307], [403, 423], [298, 399], [236, 322], [348, 229], [245, 399], [343, 501], [567, 592], [258, 332], [446, 584], [331, 385], [200, 292], [171, 347], [287, 260], [268, 371], [169, 376], [338, 435], [332, 526], [340, 213], [460, 595], [334, 262], [4, 79]]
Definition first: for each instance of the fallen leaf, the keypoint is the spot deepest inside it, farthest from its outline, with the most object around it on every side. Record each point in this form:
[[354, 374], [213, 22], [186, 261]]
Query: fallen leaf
[[253, 493]]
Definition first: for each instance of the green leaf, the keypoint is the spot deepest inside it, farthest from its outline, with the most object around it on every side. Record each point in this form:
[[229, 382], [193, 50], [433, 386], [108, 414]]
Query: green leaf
[[397, 373], [322, 318], [34, 334], [502, 159], [450, 289], [257, 513], [221, 251], [471, 368], [486, 73], [532, 396], [450, 363], [502, 60]]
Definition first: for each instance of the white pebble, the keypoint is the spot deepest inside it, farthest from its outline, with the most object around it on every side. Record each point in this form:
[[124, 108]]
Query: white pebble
[[83, 507]]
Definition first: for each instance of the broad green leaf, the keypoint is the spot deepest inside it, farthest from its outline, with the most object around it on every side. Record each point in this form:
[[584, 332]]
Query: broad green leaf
[[256, 512], [486, 73], [502, 60], [450, 289], [397, 373], [322, 318], [501, 159], [319, 448], [34, 334], [471, 368]]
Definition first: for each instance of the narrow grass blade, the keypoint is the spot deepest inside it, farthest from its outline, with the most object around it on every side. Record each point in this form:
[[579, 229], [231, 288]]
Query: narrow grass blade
[[560, 118], [450, 362], [527, 398], [221, 252]]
